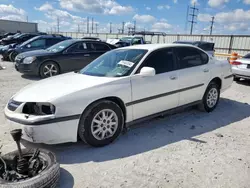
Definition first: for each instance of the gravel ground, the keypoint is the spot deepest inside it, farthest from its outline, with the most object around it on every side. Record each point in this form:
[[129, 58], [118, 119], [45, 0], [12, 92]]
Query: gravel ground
[[189, 149]]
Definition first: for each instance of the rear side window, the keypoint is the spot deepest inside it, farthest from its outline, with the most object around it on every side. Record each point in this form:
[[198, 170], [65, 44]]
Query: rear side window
[[161, 60], [247, 56], [79, 47], [51, 41], [207, 46], [101, 47], [38, 43], [190, 57]]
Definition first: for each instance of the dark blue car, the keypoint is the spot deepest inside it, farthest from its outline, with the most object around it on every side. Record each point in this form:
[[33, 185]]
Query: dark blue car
[[35, 43]]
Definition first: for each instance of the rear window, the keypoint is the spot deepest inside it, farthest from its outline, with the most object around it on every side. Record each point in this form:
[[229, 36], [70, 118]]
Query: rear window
[[247, 56], [206, 46]]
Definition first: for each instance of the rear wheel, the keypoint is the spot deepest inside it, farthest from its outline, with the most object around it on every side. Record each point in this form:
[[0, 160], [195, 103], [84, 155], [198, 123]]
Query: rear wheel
[[236, 79], [101, 124], [211, 97], [49, 69]]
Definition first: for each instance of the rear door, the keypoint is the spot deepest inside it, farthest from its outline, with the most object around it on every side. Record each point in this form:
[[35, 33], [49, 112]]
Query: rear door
[[75, 57], [193, 74]]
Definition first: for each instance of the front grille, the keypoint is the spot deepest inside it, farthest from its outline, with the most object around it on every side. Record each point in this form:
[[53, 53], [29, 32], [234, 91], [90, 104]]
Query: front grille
[[13, 105]]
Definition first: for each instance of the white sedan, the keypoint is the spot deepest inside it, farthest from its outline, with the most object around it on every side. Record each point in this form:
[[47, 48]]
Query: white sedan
[[121, 87]]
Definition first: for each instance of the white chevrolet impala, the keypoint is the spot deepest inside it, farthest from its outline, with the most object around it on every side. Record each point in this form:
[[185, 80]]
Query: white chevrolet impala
[[121, 87]]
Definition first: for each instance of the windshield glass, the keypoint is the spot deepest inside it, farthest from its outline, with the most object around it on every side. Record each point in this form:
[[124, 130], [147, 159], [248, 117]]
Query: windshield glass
[[247, 56], [60, 46], [28, 41], [19, 36], [116, 63], [126, 39]]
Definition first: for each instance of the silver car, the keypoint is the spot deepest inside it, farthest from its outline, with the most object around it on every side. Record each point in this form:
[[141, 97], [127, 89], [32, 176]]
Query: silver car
[[241, 68]]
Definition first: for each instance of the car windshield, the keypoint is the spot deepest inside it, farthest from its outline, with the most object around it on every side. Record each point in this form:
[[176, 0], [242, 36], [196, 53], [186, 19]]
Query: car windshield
[[126, 39], [247, 56], [60, 46], [19, 36], [116, 63], [28, 41]]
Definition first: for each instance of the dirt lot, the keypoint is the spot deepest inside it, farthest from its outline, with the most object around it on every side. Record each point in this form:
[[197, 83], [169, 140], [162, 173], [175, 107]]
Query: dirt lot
[[190, 149]]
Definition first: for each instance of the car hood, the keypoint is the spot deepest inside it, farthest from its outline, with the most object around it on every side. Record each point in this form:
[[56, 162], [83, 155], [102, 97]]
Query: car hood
[[53, 88], [35, 53]]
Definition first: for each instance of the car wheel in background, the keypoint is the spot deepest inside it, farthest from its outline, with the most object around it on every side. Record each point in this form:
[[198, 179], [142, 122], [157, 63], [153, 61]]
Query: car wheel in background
[[210, 98], [12, 56], [236, 79], [49, 69], [101, 123]]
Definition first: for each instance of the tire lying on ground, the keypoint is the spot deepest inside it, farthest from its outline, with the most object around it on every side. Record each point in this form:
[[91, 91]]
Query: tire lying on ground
[[48, 178]]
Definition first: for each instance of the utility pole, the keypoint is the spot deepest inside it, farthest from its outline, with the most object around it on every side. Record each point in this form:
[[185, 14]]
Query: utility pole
[[193, 16], [212, 25], [110, 27], [134, 26], [123, 24], [78, 28], [87, 25], [92, 25], [58, 24], [96, 25], [186, 23], [27, 18]]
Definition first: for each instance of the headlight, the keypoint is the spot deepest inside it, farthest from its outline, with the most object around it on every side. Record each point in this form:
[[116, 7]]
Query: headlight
[[29, 60], [33, 108]]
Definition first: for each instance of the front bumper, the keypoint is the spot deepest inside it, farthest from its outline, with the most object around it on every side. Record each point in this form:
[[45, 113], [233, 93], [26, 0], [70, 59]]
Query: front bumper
[[241, 73], [27, 68], [44, 132]]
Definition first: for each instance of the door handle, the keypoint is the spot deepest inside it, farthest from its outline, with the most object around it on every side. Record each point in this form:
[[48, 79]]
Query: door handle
[[205, 70], [86, 55], [173, 77]]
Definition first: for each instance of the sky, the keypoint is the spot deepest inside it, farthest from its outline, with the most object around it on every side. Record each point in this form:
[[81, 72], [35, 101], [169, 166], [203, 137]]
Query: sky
[[169, 16]]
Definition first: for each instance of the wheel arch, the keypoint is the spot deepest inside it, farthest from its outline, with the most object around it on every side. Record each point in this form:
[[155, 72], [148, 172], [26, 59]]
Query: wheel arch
[[217, 80], [114, 99]]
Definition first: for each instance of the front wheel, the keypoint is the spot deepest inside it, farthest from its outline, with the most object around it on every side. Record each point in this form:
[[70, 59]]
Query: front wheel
[[101, 124], [49, 69], [236, 79], [211, 97], [12, 56]]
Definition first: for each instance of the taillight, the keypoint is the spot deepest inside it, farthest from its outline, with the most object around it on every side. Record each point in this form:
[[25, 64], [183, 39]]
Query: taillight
[[236, 63]]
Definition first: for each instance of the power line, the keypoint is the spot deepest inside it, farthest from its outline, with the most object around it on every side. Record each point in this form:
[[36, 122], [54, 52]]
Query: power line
[[193, 16], [212, 25]]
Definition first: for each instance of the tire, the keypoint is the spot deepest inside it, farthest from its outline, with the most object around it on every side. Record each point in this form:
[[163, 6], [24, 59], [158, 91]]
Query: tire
[[207, 106], [236, 79], [86, 127], [49, 65], [12, 56], [48, 178]]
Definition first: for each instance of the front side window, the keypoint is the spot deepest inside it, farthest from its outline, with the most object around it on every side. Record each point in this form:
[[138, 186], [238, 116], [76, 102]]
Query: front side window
[[38, 43], [61, 46], [190, 57], [161, 60], [51, 42], [115, 63]]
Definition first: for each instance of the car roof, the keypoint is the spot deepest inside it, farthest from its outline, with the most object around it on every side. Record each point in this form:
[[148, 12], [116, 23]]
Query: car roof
[[152, 47], [193, 42]]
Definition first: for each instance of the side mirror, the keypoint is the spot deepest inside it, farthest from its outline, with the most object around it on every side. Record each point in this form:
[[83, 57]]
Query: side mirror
[[147, 71], [28, 46]]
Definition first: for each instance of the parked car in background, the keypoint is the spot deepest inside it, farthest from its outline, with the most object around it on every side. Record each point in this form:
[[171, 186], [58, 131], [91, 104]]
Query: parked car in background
[[69, 55], [241, 68], [127, 41], [92, 38], [6, 35], [121, 87], [206, 46], [18, 38], [35, 43]]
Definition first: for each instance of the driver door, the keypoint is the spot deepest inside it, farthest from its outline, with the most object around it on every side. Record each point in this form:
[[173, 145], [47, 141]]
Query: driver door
[[157, 93]]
